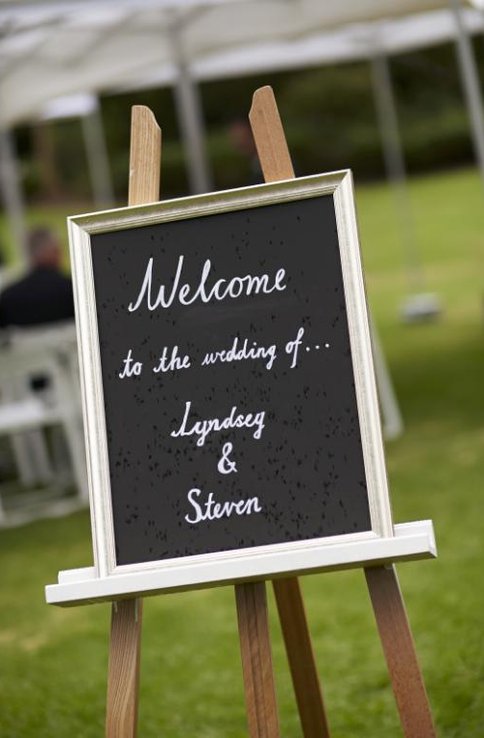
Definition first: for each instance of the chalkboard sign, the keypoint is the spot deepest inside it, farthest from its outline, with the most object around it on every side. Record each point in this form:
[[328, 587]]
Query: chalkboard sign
[[229, 396]]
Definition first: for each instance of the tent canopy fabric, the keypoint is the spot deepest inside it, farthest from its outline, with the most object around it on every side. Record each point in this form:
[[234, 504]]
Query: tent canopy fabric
[[354, 42], [51, 48]]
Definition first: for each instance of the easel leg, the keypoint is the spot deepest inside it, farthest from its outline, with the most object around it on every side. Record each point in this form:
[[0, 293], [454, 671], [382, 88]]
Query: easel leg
[[126, 616], [123, 669], [275, 161], [397, 641], [300, 655], [255, 647]]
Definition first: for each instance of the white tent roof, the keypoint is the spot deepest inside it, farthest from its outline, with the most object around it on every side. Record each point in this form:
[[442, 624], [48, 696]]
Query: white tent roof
[[78, 105], [58, 47], [350, 43]]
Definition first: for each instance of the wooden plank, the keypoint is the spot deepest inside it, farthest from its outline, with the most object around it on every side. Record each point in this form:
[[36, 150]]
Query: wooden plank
[[144, 157], [399, 648], [276, 164], [126, 615], [255, 649], [123, 669], [301, 659], [269, 136]]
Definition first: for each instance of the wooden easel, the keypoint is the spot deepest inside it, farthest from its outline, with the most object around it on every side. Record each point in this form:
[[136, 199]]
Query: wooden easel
[[387, 601], [126, 616]]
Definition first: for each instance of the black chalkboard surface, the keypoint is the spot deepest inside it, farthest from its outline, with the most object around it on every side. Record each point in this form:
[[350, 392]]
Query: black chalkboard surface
[[228, 376]]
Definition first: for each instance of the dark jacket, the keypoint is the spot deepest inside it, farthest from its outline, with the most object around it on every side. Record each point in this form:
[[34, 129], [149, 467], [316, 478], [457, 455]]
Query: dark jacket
[[42, 296]]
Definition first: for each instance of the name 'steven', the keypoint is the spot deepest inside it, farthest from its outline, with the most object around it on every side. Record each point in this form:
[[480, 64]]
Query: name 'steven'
[[250, 284]]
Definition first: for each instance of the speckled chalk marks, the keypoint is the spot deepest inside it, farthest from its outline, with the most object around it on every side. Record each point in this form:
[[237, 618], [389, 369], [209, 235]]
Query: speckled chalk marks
[[307, 469]]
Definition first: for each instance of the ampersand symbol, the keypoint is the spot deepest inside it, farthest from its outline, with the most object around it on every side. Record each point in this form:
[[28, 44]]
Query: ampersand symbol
[[226, 465]]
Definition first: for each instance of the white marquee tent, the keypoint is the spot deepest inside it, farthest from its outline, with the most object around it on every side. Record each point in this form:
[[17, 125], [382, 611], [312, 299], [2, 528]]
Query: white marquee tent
[[51, 48]]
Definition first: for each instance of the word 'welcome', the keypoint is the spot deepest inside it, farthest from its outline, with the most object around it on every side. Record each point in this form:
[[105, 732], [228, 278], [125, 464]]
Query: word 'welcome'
[[250, 284]]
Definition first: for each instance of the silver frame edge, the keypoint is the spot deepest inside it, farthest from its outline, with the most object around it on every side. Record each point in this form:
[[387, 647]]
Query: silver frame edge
[[337, 184]]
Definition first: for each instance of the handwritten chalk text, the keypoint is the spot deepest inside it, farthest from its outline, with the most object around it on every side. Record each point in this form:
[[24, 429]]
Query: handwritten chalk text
[[203, 428], [241, 351], [211, 510], [250, 284]]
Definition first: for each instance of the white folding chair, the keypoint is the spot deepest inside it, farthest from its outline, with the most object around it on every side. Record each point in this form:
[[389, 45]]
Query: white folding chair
[[48, 352]]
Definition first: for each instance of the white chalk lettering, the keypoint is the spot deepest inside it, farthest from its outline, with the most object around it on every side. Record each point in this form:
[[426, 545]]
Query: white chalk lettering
[[212, 510], [172, 362], [235, 287], [130, 367], [225, 464], [292, 347], [203, 428], [241, 351]]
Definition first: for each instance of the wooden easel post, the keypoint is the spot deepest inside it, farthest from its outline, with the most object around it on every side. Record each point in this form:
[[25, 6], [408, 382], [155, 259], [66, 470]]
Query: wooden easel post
[[383, 585], [276, 164], [126, 618], [126, 615], [400, 654], [255, 648]]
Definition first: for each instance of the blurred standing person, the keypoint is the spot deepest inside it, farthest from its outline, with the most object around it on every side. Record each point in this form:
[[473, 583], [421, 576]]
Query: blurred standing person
[[2, 264], [240, 134], [44, 295]]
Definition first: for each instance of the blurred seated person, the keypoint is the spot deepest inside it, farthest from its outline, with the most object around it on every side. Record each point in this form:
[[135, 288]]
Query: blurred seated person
[[44, 295]]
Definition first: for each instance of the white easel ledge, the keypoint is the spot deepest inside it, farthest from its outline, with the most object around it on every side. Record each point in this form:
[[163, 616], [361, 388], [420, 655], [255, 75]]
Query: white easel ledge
[[82, 586]]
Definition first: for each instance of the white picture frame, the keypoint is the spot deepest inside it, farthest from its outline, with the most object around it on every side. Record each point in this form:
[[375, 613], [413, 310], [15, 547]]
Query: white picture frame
[[206, 567]]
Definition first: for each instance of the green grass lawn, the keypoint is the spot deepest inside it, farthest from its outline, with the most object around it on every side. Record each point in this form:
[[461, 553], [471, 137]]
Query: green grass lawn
[[53, 661]]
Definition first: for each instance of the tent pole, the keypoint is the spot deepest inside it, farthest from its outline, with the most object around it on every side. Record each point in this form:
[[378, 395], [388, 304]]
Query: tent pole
[[97, 157], [12, 195], [191, 123], [190, 116], [391, 415], [470, 83], [395, 165]]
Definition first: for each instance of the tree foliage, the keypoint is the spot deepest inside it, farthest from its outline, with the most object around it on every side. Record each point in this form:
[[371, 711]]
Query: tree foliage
[[329, 117]]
